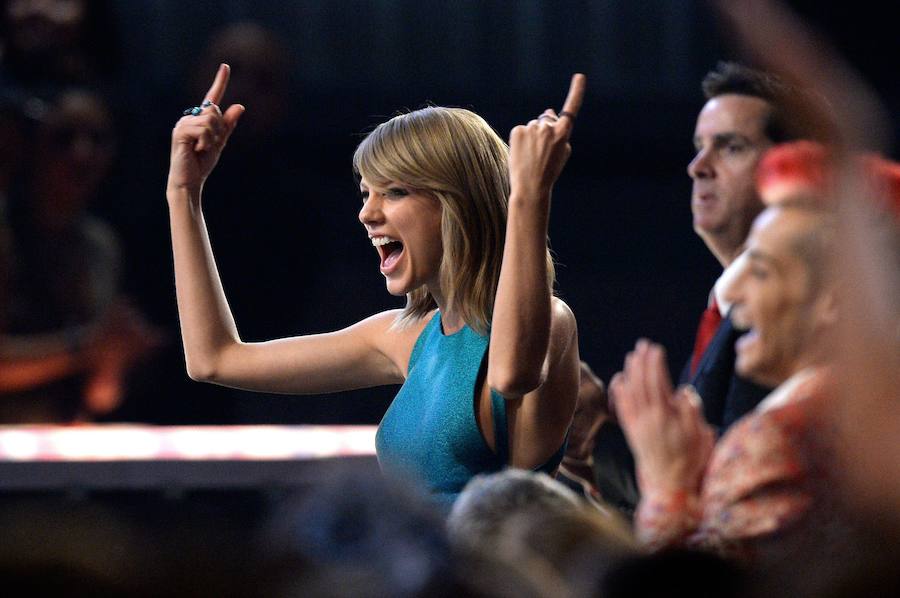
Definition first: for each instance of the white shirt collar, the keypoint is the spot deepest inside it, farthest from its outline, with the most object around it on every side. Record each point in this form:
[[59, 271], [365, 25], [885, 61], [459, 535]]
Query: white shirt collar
[[786, 391], [728, 276]]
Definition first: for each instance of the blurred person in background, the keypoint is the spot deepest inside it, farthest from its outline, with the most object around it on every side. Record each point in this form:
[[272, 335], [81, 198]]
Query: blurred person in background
[[12, 140], [530, 520], [358, 534], [51, 43], [69, 337], [489, 500], [262, 67], [261, 244]]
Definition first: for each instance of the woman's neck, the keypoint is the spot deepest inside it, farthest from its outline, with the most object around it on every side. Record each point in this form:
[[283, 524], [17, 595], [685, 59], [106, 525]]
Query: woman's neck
[[451, 320]]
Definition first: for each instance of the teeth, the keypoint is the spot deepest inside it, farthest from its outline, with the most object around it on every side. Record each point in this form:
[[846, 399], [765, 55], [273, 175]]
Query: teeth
[[379, 241]]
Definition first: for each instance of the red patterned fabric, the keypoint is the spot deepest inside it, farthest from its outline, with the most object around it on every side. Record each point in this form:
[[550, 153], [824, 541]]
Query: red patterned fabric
[[761, 480]]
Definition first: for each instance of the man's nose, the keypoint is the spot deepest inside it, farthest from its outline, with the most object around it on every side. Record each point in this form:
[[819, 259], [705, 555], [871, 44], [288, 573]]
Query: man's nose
[[701, 166]]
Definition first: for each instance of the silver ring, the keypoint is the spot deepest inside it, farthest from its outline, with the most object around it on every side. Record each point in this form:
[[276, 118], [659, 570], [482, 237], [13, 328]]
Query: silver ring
[[563, 113]]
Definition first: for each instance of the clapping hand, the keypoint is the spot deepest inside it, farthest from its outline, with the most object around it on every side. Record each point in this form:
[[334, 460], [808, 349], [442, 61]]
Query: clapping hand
[[665, 428]]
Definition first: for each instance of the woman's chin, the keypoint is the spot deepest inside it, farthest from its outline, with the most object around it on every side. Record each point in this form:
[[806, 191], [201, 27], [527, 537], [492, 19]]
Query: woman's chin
[[397, 288]]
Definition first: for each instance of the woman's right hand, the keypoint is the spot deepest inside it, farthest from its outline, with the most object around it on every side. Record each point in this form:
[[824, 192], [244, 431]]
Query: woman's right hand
[[539, 150], [197, 141]]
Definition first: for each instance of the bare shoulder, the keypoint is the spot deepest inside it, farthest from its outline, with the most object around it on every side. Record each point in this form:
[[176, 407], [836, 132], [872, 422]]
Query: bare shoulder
[[380, 322], [562, 319], [393, 338], [563, 347]]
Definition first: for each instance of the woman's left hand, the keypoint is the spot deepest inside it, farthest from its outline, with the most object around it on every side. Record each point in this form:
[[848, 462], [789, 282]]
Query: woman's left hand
[[539, 150]]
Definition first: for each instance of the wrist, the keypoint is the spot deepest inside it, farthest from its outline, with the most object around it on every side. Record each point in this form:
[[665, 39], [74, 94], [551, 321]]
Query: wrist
[[183, 194], [665, 479], [675, 496], [524, 197]]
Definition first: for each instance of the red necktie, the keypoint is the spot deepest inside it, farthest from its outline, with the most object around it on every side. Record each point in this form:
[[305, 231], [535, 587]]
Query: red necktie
[[709, 323]]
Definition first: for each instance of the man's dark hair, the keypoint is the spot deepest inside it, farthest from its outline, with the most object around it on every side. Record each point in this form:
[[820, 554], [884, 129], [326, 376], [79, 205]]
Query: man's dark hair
[[786, 120]]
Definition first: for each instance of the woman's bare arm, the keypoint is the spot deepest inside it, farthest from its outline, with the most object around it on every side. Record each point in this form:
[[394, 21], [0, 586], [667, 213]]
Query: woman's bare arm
[[521, 326], [355, 357]]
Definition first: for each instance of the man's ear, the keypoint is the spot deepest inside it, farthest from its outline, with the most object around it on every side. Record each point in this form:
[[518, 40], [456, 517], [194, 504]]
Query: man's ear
[[825, 309]]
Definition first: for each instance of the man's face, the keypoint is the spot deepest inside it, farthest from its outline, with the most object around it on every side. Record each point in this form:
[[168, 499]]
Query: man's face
[[774, 298], [730, 139]]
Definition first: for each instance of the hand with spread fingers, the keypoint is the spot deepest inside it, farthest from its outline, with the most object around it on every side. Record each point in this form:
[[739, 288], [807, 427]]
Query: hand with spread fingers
[[199, 137], [671, 441], [539, 150]]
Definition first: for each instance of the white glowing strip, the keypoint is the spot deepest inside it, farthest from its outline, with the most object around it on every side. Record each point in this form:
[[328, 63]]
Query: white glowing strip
[[130, 443], [19, 446], [74, 444]]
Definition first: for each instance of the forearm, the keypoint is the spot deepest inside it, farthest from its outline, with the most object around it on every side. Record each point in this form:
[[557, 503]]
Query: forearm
[[207, 326], [22, 373], [26, 347], [520, 330]]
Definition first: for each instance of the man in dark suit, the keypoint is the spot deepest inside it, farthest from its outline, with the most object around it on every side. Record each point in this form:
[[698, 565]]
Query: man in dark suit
[[746, 112]]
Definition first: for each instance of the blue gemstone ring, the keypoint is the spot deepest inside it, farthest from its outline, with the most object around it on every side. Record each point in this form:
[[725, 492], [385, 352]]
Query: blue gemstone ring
[[198, 109]]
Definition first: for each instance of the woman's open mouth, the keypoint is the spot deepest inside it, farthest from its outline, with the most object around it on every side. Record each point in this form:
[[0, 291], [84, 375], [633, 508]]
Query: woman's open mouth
[[390, 250]]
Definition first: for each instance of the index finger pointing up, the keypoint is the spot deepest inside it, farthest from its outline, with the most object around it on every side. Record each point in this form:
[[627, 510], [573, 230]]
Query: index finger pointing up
[[576, 94], [219, 84]]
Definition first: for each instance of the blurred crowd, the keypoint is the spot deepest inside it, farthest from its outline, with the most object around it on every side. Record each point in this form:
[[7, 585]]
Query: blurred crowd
[[70, 335], [773, 470], [87, 326]]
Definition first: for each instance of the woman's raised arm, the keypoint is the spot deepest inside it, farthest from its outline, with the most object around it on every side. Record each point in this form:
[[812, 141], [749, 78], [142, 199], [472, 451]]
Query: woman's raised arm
[[352, 358], [527, 323]]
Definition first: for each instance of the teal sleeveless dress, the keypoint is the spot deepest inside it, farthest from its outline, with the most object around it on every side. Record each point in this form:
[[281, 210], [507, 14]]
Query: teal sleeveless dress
[[430, 432]]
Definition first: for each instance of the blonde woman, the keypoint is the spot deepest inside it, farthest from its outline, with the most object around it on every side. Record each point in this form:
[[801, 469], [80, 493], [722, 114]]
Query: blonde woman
[[487, 357]]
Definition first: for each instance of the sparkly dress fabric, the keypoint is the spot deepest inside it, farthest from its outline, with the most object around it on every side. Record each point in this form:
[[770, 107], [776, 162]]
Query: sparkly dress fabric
[[430, 432]]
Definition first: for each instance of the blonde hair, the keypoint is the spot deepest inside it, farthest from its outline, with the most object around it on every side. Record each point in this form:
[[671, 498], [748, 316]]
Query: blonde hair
[[453, 155]]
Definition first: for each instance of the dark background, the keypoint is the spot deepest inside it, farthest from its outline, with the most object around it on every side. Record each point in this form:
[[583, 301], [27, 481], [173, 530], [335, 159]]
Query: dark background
[[282, 211]]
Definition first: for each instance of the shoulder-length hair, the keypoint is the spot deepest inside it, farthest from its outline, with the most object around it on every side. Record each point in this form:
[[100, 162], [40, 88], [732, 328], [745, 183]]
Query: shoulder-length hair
[[453, 155]]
